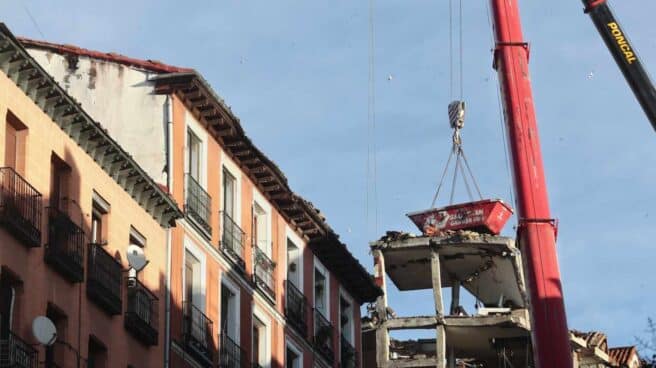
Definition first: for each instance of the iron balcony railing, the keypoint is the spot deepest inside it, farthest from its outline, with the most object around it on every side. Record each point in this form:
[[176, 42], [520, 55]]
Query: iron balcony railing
[[104, 279], [296, 308], [232, 240], [141, 312], [323, 336], [197, 334], [198, 204], [263, 277], [347, 354], [65, 248], [16, 353], [20, 207], [231, 355]]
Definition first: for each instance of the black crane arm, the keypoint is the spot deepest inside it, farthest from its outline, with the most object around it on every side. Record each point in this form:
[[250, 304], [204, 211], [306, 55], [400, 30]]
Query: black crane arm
[[624, 54]]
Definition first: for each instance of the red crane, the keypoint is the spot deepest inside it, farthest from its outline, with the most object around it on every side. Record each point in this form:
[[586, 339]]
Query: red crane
[[536, 230]]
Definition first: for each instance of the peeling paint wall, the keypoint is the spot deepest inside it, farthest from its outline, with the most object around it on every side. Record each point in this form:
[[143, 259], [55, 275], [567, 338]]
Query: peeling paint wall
[[121, 99]]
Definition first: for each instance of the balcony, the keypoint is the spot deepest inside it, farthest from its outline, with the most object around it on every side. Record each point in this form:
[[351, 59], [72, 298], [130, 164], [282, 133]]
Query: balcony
[[232, 240], [141, 314], [65, 248], [295, 308], [263, 277], [348, 356], [20, 207], [16, 353], [104, 280], [231, 355], [197, 334], [198, 204], [323, 336]]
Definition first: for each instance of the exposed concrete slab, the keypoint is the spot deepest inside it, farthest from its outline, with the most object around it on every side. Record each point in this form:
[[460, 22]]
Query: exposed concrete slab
[[474, 337], [411, 323], [408, 363], [488, 266]]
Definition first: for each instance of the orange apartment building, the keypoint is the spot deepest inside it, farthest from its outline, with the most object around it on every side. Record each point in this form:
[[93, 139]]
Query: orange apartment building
[[253, 276], [71, 201]]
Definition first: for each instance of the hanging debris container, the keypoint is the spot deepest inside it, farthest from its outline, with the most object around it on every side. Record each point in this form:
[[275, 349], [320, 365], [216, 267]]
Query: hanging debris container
[[487, 216]]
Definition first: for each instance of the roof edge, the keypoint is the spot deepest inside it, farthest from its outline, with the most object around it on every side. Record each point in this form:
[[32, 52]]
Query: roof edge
[[89, 134]]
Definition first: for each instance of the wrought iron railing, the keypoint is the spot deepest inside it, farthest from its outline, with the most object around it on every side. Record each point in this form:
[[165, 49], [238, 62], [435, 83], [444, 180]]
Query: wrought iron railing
[[263, 277], [65, 248], [296, 308], [198, 204], [231, 354], [20, 207], [16, 353], [141, 312], [197, 334], [348, 357], [323, 336], [104, 279], [232, 240]]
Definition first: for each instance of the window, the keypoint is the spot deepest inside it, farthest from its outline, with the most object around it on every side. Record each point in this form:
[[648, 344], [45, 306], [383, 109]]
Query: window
[[97, 354], [7, 299], [59, 177], [229, 311], [229, 193], [260, 229], [293, 357], [294, 264], [259, 343], [139, 240], [15, 140], [346, 318], [55, 352], [194, 145], [321, 291], [99, 211], [192, 279]]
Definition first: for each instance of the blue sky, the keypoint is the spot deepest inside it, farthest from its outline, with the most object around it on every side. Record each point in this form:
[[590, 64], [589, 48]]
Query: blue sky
[[296, 74]]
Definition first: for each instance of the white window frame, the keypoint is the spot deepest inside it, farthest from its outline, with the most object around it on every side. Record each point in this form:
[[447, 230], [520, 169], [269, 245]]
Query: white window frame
[[232, 286], [193, 125], [260, 201], [228, 165], [257, 313], [344, 294], [292, 346], [291, 235], [190, 246], [322, 269]]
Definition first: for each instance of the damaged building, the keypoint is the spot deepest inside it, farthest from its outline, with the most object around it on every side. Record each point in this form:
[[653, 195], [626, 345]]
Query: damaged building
[[489, 267]]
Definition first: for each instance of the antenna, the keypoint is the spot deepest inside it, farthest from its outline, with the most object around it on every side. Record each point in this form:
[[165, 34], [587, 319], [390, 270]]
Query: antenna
[[44, 330], [136, 257]]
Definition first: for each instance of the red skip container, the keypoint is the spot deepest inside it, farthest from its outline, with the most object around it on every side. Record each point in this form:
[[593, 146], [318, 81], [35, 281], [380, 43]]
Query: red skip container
[[487, 216]]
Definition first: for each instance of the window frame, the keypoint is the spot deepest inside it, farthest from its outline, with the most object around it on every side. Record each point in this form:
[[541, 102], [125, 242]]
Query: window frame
[[291, 236], [198, 298], [290, 345], [234, 288], [193, 126], [324, 271], [266, 322], [228, 166]]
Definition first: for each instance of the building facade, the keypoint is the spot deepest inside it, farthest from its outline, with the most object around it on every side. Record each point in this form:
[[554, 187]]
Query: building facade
[[71, 201], [253, 274]]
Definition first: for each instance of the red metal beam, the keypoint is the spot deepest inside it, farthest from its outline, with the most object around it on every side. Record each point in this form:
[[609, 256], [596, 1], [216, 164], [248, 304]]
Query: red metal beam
[[536, 234]]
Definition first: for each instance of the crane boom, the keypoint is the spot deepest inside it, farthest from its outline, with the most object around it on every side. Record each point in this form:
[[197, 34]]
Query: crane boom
[[624, 54], [536, 230]]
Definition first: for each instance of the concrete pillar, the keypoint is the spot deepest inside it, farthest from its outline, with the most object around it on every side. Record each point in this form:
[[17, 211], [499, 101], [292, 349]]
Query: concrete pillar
[[455, 296], [439, 309], [382, 334]]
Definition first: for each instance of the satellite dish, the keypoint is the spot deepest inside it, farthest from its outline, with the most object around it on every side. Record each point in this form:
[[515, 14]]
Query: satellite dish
[[44, 330], [136, 257]]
